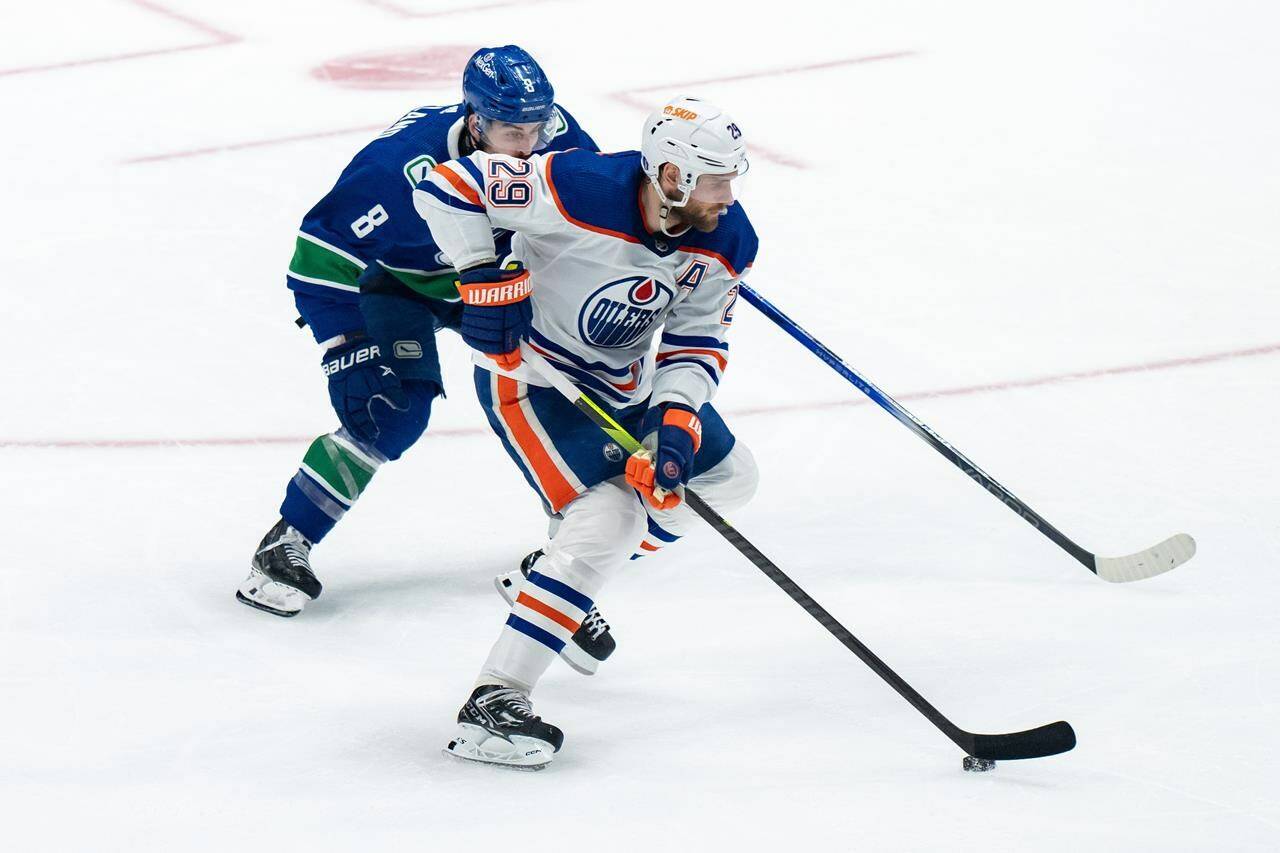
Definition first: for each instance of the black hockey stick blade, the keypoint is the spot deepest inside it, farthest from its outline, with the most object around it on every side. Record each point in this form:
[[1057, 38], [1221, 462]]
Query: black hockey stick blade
[[1052, 739]]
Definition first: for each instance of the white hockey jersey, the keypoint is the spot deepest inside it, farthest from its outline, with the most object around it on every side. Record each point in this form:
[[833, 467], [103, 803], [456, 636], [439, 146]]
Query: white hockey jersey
[[603, 284]]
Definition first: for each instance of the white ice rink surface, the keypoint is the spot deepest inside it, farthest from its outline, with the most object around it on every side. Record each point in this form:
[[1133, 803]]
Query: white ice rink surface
[[957, 195]]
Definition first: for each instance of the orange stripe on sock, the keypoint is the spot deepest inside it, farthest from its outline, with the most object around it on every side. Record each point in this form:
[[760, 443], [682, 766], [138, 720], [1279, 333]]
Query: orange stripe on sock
[[555, 487], [458, 184], [548, 611]]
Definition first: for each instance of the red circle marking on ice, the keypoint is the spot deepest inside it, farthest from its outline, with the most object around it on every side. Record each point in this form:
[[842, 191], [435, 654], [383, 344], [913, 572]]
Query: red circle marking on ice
[[419, 68]]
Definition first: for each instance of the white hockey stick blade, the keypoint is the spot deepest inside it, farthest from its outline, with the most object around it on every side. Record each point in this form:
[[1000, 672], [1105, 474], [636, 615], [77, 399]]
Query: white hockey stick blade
[[1169, 554]]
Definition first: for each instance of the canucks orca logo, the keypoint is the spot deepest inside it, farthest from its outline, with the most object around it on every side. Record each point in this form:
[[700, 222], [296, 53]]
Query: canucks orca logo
[[618, 314]]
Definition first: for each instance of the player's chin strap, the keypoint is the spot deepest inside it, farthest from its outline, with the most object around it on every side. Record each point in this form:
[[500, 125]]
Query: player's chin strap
[[663, 210], [665, 204]]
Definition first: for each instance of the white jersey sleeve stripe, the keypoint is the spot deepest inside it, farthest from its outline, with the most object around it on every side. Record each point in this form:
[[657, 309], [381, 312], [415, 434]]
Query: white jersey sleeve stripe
[[445, 191], [465, 184]]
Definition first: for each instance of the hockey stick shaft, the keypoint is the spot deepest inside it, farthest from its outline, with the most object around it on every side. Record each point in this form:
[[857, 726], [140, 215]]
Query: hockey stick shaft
[[1045, 740], [911, 422], [1160, 558]]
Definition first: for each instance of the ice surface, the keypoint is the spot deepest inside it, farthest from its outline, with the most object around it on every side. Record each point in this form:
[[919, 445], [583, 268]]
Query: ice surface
[[1027, 193]]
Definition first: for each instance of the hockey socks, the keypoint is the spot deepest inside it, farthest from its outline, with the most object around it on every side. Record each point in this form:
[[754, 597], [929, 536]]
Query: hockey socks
[[333, 474], [591, 644], [543, 619]]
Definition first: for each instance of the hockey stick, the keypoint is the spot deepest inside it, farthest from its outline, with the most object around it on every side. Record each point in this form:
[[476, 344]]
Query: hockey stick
[[1033, 743], [1155, 560]]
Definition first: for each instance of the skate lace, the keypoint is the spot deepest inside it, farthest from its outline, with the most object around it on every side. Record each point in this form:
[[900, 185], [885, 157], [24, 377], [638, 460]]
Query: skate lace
[[297, 550], [297, 556], [513, 702], [595, 624]]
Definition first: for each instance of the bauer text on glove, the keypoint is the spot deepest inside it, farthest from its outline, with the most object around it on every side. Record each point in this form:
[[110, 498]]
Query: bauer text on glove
[[360, 383]]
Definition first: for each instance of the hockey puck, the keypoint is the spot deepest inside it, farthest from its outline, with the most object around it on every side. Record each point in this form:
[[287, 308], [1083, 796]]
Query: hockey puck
[[978, 765]]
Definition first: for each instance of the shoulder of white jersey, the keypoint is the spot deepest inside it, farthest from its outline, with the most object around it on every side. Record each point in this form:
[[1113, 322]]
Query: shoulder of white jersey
[[461, 183], [596, 191], [601, 193]]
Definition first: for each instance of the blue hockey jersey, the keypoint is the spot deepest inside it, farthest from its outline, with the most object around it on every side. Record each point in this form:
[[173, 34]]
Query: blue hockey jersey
[[368, 218]]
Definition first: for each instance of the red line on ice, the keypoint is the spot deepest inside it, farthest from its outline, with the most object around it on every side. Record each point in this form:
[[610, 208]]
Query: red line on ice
[[256, 143], [756, 149], [629, 98], [218, 38], [208, 29], [127, 443], [1054, 379], [780, 72], [401, 11]]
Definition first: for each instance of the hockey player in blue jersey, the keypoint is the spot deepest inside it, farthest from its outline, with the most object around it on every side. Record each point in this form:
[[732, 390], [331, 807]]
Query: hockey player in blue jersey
[[380, 353], [618, 249]]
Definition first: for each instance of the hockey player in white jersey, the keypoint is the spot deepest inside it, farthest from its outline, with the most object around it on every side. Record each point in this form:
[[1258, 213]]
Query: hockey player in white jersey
[[616, 249]]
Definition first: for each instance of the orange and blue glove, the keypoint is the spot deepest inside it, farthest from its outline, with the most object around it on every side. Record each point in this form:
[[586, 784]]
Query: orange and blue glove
[[674, 434], [496, 312]]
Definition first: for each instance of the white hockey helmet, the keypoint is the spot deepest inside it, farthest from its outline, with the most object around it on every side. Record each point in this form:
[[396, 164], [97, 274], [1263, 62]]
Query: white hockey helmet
[[696, 136]]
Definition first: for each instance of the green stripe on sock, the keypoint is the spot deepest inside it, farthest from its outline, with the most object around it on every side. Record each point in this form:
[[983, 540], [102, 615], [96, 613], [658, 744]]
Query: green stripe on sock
[[315, 261], [342, 471]]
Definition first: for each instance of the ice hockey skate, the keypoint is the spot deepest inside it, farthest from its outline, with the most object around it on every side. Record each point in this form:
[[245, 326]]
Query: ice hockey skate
[[497, 726], [280, 579], [591, 644]]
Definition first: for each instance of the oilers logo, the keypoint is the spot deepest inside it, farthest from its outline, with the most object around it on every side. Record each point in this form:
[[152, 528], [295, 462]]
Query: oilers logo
[[621, 312]]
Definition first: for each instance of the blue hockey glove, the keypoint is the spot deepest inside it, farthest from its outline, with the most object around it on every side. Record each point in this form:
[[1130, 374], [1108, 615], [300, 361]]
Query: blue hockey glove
[[496, 312], [361, 382], [674, 431]]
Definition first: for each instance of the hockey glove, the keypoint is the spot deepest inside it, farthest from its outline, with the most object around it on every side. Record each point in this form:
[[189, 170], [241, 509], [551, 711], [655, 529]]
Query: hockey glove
[[360, 382], [674, 433], [496, 312]]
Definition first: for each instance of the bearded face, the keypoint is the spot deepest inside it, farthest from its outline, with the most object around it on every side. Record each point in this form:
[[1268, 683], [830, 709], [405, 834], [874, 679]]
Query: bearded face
[[711, 198], [702, 215]]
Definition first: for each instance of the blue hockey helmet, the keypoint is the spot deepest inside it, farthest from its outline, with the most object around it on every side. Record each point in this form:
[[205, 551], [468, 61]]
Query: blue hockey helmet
[[506, 84]]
